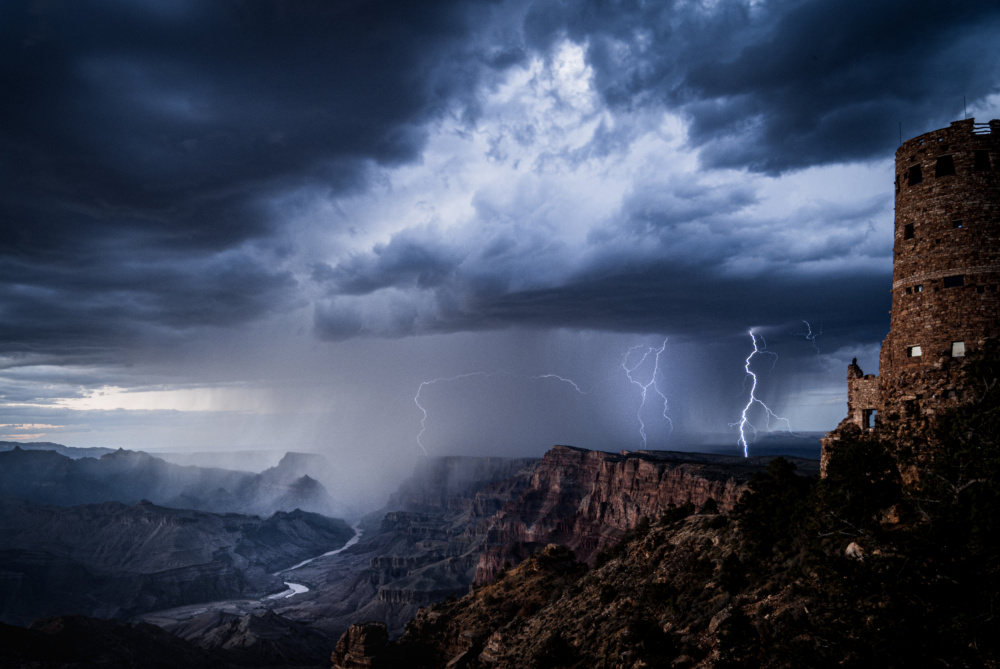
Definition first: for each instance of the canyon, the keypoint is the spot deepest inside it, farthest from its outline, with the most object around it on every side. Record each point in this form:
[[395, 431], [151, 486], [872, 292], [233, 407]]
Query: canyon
[[111, 560], [454, 524]]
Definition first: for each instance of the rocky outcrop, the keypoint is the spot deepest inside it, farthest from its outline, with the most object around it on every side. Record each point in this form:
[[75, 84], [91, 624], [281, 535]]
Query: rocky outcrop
[[665, 599], [587, 499], [362, 647], [261, 638], [462, 633]]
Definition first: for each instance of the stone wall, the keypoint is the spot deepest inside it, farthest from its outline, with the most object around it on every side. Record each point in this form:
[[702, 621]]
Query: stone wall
[[946, 265], [946, 277], [863, 396]]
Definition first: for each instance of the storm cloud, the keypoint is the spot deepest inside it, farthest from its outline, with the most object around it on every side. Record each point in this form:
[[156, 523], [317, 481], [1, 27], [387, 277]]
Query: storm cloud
[[191, 192]]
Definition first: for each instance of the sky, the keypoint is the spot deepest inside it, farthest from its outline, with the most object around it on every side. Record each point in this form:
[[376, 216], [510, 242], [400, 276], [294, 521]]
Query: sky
[[378, 229]]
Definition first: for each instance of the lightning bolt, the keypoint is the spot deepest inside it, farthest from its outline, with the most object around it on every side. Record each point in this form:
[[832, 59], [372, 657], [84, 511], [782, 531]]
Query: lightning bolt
[[744, 422], [644, 387], [444, 379], [423, 411], [560, 378], [810, 337]]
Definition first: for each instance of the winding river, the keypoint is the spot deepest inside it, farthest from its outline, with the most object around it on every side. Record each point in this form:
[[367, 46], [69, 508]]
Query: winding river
[[298, 588]]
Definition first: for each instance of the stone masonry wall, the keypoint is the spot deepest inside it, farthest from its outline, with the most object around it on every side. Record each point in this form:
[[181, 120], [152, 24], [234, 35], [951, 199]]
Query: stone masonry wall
[[863, 396], [946, 265], [946, 279]]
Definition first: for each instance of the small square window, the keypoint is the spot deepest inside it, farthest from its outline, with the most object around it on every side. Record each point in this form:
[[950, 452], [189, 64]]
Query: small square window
[[918, 288], [980, 289], [944, 167], [913, 352], [981, 161], [908, 231], [908, 290], [957, 223], [956, 281], [958, 349]]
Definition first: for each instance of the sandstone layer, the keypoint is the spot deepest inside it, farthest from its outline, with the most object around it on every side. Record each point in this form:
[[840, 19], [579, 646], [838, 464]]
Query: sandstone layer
[[586, 500]]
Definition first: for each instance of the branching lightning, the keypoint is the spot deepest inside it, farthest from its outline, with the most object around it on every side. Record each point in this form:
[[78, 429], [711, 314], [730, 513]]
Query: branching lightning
[[423, 411], [644, 387], [744, 422], [811, 336], [631, 363]]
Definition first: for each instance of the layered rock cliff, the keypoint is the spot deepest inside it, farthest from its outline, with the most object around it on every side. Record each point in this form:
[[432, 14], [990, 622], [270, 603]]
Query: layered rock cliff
[[856, 570], [585, 500]]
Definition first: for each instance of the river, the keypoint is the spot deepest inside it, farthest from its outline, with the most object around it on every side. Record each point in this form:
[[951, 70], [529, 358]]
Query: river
[[298, 588]]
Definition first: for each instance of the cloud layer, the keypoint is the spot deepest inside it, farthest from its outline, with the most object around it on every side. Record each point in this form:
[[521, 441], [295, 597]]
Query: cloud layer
[[178, 179]]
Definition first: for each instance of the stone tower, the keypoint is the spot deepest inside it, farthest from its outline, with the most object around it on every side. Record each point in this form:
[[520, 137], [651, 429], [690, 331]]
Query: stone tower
[[946, 271]]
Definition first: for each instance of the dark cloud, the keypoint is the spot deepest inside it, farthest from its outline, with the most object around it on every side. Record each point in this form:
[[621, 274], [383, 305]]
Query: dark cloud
[[407, 260], [675, 300], [684, 257], [786, 84], [162, 165], [86, 310], [140, 144]]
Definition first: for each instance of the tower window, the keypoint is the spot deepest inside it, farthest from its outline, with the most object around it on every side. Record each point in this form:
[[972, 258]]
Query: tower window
[[958, 223], [980, 288], [913, 352], [945, 166], [958, 349], [956, 281], [908, 231], [981, 161], [919, 288], [914, 176], [908, 290]]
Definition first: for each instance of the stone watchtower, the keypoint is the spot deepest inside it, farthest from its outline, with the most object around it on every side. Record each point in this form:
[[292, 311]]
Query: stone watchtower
[[945, 276]]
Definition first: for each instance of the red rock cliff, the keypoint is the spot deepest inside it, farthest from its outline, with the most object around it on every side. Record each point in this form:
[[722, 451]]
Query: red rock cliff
[[587, 499]]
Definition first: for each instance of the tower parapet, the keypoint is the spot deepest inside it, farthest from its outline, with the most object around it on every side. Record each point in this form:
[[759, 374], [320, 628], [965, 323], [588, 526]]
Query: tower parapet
[[946, 273]]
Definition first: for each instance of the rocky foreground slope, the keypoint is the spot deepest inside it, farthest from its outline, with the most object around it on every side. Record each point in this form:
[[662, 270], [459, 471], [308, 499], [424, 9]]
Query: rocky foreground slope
[[863, 568]]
